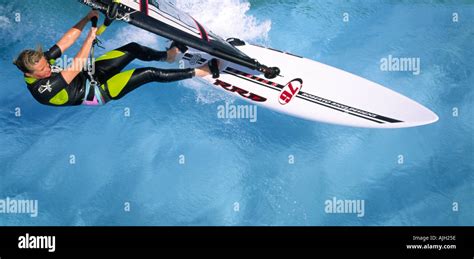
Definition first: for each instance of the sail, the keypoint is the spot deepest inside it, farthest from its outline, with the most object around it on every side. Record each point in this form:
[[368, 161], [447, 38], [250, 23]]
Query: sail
[[164, 19]]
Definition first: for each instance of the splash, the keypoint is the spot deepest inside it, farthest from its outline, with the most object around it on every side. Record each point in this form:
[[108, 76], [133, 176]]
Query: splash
[[4, 22], [205, 94], [226, 18]]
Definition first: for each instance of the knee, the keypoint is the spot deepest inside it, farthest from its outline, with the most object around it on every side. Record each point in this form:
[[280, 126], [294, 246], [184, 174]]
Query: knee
[[131, 46], [134, 44]]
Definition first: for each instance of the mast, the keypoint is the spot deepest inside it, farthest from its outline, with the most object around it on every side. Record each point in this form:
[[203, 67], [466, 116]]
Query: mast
[[113, 9]]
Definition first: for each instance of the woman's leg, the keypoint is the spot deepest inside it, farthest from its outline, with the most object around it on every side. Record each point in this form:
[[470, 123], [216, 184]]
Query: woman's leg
[[123, 83], [116, 60], [117, 84]]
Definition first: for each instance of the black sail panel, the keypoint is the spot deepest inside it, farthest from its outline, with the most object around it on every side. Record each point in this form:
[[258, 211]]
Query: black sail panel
[[162, 18]]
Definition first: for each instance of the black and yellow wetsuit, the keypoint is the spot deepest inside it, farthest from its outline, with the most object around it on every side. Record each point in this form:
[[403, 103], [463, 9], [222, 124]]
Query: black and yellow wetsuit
[[114, 84], [54, 90]]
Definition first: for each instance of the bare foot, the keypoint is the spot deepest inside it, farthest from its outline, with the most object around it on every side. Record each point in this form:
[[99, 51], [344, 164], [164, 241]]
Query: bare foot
[[172, 53], [204, 70]]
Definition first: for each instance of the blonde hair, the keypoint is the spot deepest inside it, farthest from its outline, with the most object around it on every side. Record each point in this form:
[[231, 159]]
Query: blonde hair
[[28, 58]]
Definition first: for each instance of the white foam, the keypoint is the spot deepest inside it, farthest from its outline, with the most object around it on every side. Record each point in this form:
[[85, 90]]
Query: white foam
[[4, 22], [205, 93], [227, 18]]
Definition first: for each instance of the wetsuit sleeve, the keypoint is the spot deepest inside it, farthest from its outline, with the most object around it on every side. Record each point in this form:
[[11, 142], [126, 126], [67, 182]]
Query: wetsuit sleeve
[[52, 54], [52, 90]]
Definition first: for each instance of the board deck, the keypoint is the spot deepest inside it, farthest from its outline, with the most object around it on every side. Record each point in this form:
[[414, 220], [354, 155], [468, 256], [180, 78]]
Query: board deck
[[314, 91]]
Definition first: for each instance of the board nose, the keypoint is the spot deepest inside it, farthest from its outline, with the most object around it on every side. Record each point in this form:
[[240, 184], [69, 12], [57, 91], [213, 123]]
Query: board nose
[[433, 117], [424, 118]]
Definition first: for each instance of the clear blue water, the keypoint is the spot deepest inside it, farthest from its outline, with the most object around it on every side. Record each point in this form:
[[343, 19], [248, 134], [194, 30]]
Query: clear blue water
[[237, 172]]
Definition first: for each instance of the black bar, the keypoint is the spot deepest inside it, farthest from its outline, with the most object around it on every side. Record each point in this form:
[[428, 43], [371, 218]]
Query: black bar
[[382, 241]]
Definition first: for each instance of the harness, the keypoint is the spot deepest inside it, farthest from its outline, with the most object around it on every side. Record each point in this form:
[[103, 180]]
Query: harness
[[94, 94]]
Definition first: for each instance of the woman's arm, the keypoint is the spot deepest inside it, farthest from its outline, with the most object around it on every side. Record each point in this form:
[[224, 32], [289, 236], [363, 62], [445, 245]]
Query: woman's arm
[[80, 59], [73, 34]]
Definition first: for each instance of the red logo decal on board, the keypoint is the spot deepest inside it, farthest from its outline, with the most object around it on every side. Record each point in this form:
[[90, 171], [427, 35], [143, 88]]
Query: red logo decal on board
[[290, 90], [240, 91]]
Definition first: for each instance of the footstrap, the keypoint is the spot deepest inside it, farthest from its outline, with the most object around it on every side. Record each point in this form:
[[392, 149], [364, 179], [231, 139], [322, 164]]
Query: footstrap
[[182, 48], [214, 68]]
